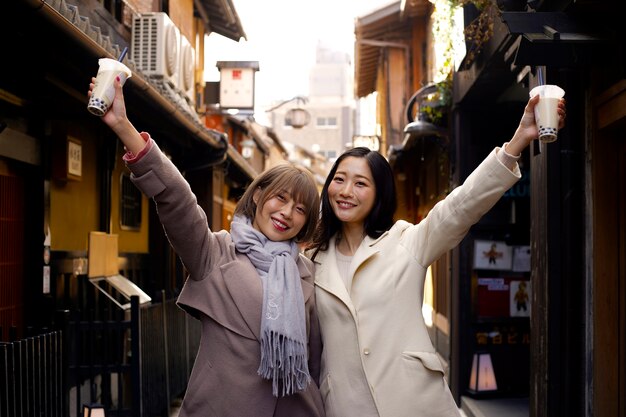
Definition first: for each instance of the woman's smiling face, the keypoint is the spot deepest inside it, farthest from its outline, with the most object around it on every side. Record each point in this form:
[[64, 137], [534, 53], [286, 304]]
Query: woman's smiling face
[[352, 192], [280, 218]]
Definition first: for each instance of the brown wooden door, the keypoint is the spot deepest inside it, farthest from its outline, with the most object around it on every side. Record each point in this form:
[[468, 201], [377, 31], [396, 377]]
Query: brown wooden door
[[609, 285], [621, 393], [11, 248]]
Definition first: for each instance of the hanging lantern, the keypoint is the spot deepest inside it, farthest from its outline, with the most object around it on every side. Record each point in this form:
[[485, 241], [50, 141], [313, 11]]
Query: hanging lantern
[[297, 117]]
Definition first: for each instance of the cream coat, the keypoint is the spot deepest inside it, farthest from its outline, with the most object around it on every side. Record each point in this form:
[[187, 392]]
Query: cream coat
[[378, 360]]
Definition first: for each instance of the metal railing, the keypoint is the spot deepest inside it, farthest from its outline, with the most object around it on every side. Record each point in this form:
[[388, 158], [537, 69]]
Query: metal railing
[[169, 342], [31, 376], [134, 363]]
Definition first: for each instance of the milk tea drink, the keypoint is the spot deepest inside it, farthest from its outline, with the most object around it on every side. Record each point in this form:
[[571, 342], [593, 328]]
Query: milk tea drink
[[546, 115], [104, 92]]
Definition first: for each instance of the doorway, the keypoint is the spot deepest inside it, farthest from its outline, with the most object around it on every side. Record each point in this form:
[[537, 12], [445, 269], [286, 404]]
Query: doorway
[[609, 271], [12, 234]]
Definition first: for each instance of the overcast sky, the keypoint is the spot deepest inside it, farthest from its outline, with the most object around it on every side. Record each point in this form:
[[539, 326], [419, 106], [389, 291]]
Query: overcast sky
[[282, 36]]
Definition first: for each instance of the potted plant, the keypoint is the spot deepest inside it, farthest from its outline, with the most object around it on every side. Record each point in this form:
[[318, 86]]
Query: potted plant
[[480, 29], [435, 106]]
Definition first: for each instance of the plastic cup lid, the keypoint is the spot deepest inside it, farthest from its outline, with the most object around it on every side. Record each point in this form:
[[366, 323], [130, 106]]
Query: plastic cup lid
[[108, 64], [548, 90]]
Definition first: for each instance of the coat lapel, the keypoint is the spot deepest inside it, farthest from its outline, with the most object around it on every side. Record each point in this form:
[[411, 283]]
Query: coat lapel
[[306, 279], [246, 290], [366, 250], [327, 276]]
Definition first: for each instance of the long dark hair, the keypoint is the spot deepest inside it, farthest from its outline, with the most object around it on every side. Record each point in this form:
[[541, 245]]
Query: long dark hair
[[379, 220]]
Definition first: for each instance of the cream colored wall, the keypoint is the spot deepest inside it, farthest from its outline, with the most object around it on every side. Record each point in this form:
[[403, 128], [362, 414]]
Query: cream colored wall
[[74, 205]]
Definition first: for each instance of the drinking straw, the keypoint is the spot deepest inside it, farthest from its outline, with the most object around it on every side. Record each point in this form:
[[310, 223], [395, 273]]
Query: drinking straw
[[123, 54], [540, 75]]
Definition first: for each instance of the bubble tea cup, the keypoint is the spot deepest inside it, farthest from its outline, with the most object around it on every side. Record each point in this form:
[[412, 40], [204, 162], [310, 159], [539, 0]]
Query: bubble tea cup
[[546, 114], [104, 91]]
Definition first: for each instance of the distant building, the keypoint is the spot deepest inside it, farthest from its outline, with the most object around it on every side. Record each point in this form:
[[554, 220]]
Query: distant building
[[330, 104]]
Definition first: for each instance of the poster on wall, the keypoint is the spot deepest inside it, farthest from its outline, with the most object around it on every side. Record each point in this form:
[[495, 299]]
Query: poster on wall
[[521, 258], [519, 298], [492, 295], [489, 254]]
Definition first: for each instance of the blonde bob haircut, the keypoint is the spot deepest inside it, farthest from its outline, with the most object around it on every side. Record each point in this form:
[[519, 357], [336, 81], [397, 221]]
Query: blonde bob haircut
[[290, 178]]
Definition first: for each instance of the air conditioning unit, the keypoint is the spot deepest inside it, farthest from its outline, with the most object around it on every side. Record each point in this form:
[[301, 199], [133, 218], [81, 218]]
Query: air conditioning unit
[[155, 46], [187, 66]]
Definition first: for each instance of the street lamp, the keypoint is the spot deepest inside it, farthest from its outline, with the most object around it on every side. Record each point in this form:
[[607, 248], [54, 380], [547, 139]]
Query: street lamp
[[296, 117], [93, 410]]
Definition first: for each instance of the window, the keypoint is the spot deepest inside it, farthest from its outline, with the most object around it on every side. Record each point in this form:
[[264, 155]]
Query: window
[[328, 154], [130, 204], [326, 122], [116, 8]]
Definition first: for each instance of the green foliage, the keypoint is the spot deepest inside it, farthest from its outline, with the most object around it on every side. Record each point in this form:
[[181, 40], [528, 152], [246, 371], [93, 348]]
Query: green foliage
[[444, 89], [436, 108], [480, 30]]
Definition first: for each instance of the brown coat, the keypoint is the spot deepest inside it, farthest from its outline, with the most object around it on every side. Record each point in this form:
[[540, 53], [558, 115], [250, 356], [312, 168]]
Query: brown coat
[[224, 292]]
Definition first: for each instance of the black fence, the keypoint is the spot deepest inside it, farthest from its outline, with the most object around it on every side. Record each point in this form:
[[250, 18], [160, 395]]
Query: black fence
[[31, 376], [169, 342], [103, 360], [132, 362]]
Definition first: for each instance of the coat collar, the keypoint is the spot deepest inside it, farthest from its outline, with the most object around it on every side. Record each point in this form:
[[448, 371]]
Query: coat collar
[[367, 249], [327, 276]]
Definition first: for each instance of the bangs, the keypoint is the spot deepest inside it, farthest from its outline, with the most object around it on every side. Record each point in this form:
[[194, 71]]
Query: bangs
[[300, 185], [302, 191]]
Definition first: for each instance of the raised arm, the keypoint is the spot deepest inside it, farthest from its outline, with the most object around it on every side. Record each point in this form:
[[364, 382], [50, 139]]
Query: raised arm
[[527, 130], [117, 120], [184, 221], [449, 221]]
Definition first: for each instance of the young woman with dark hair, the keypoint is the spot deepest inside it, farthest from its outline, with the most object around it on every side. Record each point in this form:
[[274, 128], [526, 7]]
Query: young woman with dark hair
[[377, 359], [380, 217]]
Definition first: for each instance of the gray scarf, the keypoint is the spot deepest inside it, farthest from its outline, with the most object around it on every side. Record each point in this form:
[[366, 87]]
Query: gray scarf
[[283, 324]]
